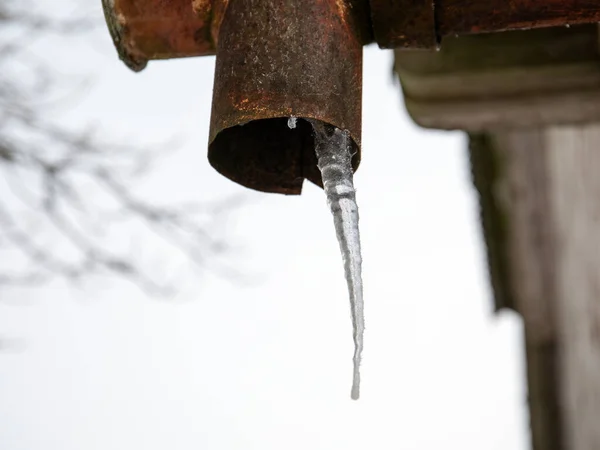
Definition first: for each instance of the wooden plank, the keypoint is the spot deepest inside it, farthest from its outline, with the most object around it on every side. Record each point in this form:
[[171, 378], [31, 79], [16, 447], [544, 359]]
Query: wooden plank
[[513, 79], [574, 162], [545, 189], [508, 172]]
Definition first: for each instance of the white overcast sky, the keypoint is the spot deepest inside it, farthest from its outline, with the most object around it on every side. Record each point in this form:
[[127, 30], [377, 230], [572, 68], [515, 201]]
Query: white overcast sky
[[267, 366]]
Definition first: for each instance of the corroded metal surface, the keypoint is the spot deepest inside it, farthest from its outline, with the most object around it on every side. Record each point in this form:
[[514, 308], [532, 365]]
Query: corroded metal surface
[[421, 23], [217, 14], [158, 29], [277, 60], [404, 23], [468, 16]]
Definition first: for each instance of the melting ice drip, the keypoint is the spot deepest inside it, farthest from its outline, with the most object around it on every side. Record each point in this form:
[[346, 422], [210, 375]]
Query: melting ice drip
[[333, 148]]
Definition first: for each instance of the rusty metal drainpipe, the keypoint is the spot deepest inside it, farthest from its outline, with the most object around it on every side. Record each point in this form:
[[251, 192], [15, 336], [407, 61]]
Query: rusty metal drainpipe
[[276, 59], [282, 59]]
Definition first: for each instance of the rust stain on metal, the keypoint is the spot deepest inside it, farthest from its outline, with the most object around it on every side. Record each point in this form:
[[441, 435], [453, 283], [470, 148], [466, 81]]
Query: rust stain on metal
[[467, 16], [404, 23], [158, 29], [276, 60], [202, 8], [218, 12]]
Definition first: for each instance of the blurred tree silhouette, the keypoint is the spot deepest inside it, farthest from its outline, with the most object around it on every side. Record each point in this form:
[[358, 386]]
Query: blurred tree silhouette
[[50, 226]]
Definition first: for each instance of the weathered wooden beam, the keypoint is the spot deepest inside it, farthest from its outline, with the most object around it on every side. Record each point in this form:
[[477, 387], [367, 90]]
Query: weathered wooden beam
[[544, 189], [513, 79], [531, 101]]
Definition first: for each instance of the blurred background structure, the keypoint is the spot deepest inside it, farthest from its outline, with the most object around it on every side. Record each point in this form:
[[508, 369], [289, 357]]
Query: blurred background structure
[[251, 349]]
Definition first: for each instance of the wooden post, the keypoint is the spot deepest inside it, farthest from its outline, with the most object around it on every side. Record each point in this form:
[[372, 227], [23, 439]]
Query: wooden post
[[531, 101], [540, 199]]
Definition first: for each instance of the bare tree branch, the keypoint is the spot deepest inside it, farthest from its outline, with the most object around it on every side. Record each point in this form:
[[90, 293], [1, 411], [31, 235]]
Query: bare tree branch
[[50, 213]]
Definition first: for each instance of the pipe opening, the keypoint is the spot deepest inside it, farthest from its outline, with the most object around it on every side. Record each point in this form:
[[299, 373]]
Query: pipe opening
[[268, 156]]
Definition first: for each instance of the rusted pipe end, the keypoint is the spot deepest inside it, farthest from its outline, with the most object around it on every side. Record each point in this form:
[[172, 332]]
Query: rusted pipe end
[[277, 60], [143, 30], [117, 28], [268, 156]]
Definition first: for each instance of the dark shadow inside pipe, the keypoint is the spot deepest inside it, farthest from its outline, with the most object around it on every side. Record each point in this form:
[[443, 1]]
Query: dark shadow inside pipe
[[268, 155]]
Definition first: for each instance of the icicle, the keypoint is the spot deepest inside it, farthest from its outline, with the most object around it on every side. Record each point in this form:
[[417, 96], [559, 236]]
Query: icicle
[[292, 122], [333, 148]]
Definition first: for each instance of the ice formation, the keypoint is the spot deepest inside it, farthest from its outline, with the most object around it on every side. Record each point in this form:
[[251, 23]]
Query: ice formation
[[334, 154]]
